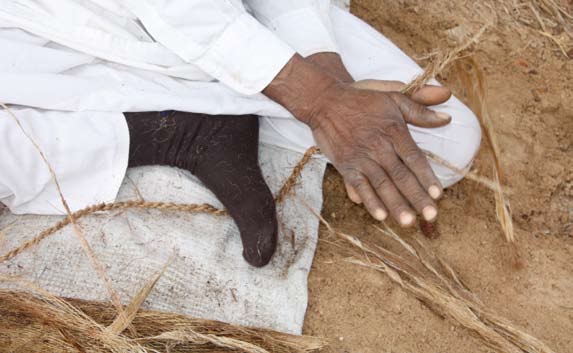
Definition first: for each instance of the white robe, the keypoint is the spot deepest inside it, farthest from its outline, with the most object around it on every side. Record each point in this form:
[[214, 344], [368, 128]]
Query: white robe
[[70, 68]]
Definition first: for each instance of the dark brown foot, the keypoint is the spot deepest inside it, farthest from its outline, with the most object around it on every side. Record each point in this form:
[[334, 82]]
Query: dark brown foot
[[222, 151]]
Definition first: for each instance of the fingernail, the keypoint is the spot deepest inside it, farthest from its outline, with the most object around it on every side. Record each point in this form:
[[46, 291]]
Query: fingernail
[[380, 214], [435, 192], [429, 213], [406, 218], [443, 116]]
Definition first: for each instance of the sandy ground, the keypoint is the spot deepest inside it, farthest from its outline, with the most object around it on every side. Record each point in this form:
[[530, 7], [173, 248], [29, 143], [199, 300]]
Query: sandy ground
[[530, 87], [531, 92]]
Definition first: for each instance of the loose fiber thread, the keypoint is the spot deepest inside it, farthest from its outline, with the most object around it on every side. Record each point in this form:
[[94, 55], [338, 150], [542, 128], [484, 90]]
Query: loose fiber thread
[[285, 190]]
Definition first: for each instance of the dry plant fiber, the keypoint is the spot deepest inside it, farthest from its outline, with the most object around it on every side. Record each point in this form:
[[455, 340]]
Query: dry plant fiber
[[422, 273], [441, 60], [40, 322], [98, 266], [473, 80]]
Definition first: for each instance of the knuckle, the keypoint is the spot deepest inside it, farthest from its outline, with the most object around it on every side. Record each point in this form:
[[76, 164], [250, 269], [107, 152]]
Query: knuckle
[[381, 182], [352, 154], [413, 156], [371, 201], [397, 206], [399, 173], [380, 147], [395, 126], [355, 178], [417, 197]]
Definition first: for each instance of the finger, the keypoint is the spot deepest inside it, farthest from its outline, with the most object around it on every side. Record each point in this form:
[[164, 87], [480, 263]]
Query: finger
[[369, 197], [417, 114], [379, 85], [410, 188], [427, 95], [431, 95], [415, 160], [352, 194], [392, 198]]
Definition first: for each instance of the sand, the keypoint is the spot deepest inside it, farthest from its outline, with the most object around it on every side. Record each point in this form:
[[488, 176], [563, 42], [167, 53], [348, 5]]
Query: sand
[[530, 85]]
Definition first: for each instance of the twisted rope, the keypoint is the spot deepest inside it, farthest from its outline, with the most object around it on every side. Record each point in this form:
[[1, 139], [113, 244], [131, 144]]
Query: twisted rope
[[285, 190], [292, 180]]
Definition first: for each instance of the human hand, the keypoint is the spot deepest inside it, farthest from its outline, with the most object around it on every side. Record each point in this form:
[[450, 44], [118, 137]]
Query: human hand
[[332, 64], [364, 134], [428, 95]]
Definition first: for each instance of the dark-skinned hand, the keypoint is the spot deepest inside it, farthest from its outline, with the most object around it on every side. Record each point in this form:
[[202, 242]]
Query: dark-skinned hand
[[332, 63], [361, 127]]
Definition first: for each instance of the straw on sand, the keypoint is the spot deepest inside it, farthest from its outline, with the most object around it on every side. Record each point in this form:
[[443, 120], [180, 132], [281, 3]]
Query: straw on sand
[[550, 11], [544, 18], [472, 78], [422, 273], [441, 60], [474, 81]]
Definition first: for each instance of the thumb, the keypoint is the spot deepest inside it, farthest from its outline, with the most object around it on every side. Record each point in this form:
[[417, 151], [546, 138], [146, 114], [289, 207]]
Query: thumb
[[418, 115], [427, 95], [379, 85], [431, 95]]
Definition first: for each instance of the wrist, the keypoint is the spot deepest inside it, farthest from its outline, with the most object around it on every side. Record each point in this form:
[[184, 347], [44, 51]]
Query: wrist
[[298, 87], [332, 63]]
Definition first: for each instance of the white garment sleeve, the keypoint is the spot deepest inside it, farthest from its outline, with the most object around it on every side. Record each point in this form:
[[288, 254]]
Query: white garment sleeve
[[303, 24], [220, 37]]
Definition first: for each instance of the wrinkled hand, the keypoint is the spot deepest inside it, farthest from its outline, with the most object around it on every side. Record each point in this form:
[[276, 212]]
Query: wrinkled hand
[[364, 134], [333, 65], [429, 95], [361, 127]]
